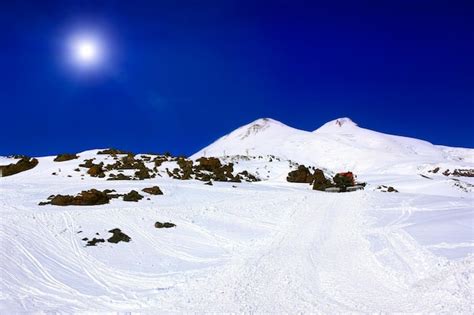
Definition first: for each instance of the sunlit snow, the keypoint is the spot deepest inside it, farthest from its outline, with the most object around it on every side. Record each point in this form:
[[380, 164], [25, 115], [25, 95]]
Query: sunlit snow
[[270, 246]]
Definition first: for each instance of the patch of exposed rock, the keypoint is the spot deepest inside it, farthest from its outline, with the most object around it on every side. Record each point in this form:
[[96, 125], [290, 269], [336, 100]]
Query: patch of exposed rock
[[164, 225], [118, 236], [155, 190], [65, 157], [300, 175], [24, 164], [93, 241], [119, 176], [320, 182], [458, 172], [112, 151], [463, 173], [208, 169], [132, 196], [384, 188], [90, 197]]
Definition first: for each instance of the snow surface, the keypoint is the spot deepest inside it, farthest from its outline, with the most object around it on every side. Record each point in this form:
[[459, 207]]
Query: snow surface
[[270, 246]]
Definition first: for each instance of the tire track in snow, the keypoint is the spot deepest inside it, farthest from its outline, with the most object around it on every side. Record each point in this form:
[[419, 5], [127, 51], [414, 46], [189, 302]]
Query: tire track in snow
[[316, 256], [322, 260]]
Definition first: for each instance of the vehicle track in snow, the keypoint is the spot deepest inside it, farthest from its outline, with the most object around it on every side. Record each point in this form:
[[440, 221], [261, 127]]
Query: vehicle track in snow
[[318, 254], [322, 260]]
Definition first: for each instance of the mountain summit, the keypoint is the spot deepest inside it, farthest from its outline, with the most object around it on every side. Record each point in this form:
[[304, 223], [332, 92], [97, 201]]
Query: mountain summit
[[337, 145], [260, 137], [259, 126], [337, 125]]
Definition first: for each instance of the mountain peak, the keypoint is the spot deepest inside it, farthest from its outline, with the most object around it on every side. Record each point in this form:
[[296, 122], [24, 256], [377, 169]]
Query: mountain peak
[[338, 124], [344, 121], [256, 138], [257, 126], [266, 121]]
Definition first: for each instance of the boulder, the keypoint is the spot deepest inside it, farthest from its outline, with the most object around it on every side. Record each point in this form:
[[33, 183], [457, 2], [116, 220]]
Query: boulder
[[320, 182], [301, 175], [132, 196], [119, 176], [463, 172], [87, 163], [24, 164], [245, 175], [209, 164], [155, 190], [112, 151], [90, 197], [65, 157], [165, 225], [142, 173], [384, 188], [96, 170], [94, 241], [158, 161], [118, 236], [186, 168]]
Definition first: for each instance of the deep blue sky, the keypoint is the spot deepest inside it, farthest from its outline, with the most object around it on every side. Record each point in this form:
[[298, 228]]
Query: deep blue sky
[[180, 74]]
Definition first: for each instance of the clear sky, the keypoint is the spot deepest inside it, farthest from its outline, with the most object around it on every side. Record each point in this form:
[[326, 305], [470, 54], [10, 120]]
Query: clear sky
[[176, 75]]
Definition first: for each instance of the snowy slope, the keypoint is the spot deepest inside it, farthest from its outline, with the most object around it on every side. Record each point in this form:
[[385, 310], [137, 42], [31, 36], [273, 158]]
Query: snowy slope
[[268, 246], [338, 145]]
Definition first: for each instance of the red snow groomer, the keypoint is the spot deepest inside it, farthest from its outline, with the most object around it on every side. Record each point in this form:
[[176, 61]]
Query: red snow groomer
[[349, 176], [345, 182]]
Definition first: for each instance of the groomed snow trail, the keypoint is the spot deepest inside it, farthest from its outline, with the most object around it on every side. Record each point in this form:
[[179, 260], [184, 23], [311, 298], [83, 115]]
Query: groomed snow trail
[[309, 252], [321, 260]]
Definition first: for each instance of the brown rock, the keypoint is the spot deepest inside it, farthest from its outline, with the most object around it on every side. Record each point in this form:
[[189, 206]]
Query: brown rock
[[132, 196], [119, 176], [155, 190], [301, 175], [118, 236], [65, 157], [85, 198], [165, 225], [320, 181], [22, 165], [113, 151], [96, 170], [94, 241], [209, 164], [463, 172], [142, 173]]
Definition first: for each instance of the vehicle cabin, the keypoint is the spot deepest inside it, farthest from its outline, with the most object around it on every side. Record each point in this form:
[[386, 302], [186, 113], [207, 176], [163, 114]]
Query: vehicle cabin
[[348, 175]]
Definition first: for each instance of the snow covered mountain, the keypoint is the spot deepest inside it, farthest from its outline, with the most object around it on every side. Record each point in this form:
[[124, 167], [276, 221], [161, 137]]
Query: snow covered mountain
[[338, 145], [241, 245]]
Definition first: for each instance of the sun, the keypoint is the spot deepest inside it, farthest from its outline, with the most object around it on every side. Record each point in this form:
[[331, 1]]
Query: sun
[[86, 50]]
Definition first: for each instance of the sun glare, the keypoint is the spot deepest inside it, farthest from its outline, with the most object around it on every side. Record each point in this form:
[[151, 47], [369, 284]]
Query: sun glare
[[86, 51]]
